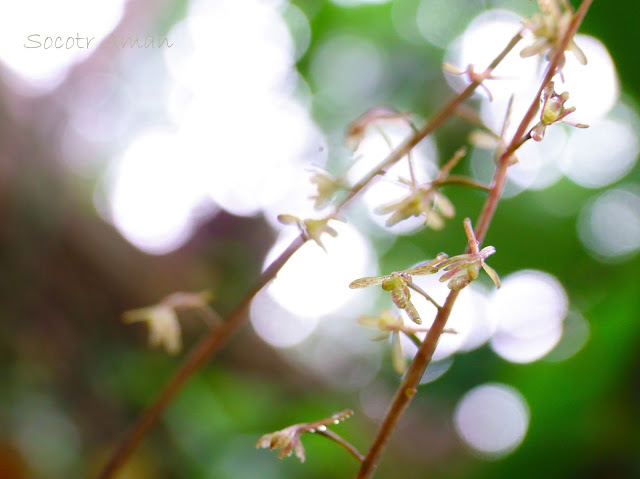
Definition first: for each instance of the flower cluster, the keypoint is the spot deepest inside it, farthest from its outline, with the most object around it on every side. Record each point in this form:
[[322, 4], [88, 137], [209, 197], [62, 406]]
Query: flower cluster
[[459, 271], [356, 131], [327, 186], [398, 284], [423, 201], [472, 76], [309, 228], [462, 269], [549, 27], [288, 439], [162, 318]]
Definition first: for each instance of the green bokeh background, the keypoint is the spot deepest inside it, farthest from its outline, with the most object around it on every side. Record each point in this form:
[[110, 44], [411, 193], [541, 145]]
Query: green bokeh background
[[74, 378]]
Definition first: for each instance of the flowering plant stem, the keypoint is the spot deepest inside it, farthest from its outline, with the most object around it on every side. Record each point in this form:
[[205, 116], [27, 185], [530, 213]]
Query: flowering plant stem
[[328, 433], [409, 385], [202, 351]]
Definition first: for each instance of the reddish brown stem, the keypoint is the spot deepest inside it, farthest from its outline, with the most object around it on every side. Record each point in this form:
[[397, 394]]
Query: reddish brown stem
[[409, 385], [194, 360], [203, 350], [344, 443]]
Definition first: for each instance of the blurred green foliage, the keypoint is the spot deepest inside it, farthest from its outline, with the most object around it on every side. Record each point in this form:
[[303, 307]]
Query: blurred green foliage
[[63, 289]]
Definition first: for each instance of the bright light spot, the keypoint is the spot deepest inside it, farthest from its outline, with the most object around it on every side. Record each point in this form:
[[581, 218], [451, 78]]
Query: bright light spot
[[592, 158], [213, 54], [315, 282], [609, 226], [313, 285], [440, 22], [242, 176], [154, 193], [240, 136], [342, 355], [346, 67], [593, 88], [529, 310], [575, 335], [388, 190], [28, 34], [278, 326], [492, 419], [480, 43], [231, 98], [537, 167], [101, 107], [601, 154]]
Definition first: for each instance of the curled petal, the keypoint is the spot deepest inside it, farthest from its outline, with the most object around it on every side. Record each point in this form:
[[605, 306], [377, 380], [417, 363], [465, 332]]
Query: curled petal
[[299, 451], [536, 48], [492, 274], [453, 259], [412, 312], [457, 284], [433, 220], [443, 205], [487, 251], [464, 262], [454, 273], [577, 51]]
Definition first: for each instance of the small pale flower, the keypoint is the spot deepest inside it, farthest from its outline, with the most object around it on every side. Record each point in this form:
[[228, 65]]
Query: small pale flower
[[309, 228], [387, 323], [462, 269], [390, 325], [162, 318], [398, 284], [288, 439], [548, 28], [553, 111], [356, 131], [164, 327], [427, 202], [327, 186], [471, 75]]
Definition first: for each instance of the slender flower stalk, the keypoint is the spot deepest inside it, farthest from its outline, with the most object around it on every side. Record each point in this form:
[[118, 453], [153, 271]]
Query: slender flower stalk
[[203, 350], [409, 385]]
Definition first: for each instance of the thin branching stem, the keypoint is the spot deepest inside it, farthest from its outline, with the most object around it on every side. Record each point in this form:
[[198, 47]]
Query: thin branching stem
[[440, 117], [198, 355], [409, 385], [343, 442], [463, 180], [203, 350], [414, 338], [422, 292]]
